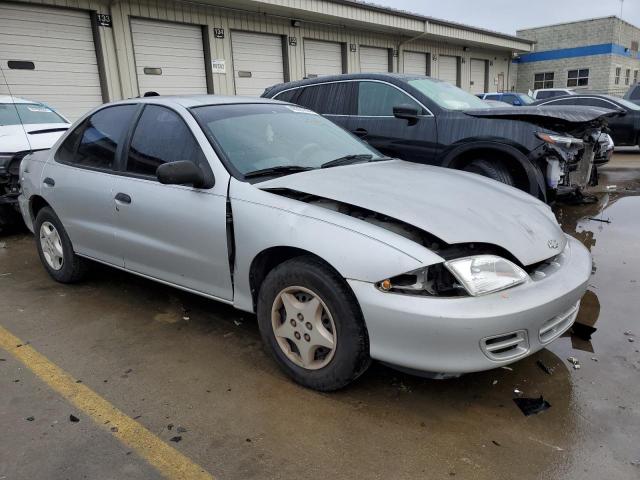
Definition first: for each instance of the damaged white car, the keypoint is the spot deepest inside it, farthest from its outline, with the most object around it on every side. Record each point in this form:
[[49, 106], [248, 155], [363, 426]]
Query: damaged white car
[[345, 255]]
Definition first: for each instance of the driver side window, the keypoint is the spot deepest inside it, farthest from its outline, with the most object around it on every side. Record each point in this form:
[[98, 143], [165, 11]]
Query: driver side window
[[161, 136], [376, 99]]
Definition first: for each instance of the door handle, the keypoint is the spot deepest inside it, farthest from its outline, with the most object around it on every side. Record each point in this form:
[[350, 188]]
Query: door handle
[[123, 198], [360, 132], [49, 182]]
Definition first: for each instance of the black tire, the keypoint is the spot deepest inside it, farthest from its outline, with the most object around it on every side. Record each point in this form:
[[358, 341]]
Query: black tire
[[351, 355], [493, 170], [73, 267]]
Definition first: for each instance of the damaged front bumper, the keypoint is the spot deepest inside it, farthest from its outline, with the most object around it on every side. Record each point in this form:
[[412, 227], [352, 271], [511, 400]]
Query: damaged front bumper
[[467, 334]]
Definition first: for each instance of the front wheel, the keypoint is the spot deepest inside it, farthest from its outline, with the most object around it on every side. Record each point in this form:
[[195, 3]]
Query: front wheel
[[311, 323], [493, 170], [55, 249]]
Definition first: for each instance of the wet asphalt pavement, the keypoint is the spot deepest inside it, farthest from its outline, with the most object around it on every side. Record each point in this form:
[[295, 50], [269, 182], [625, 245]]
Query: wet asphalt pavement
[[165, 357]]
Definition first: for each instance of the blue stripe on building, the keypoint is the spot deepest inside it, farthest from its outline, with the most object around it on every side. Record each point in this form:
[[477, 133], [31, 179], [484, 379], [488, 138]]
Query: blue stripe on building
[[585, 51]]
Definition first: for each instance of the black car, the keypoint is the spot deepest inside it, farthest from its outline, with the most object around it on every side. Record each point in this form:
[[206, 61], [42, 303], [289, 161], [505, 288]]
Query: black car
[[624, 129], [540, 150]]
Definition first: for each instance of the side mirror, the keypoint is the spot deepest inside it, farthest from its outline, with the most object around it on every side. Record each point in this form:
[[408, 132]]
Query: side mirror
[[406, 112], [182, 172]]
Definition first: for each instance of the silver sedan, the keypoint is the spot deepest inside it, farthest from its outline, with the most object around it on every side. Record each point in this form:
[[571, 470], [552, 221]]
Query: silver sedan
[[344, 255]]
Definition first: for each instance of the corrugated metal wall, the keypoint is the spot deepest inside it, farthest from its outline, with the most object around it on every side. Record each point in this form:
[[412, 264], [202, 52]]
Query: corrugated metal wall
[[117, 45]]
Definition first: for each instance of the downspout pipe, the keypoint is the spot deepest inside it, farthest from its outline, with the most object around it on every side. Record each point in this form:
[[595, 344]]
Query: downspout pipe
[[400, 44]]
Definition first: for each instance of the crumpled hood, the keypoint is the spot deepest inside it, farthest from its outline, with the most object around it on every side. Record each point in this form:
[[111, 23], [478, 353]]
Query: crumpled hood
[[40, 136], [457, 207], [572, 114]]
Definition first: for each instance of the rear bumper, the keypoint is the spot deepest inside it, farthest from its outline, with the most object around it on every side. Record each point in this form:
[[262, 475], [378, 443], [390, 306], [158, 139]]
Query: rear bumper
[[467, 334]]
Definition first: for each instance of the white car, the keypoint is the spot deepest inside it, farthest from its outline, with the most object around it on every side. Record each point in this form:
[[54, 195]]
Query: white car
[[25, 127], [544, 93]]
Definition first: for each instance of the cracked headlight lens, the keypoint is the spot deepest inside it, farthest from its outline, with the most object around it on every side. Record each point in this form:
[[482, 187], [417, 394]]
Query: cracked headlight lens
[[482, 274]]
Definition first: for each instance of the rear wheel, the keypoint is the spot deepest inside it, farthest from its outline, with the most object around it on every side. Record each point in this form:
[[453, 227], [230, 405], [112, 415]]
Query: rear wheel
[[312, 325], [493, 170], [55, 249]]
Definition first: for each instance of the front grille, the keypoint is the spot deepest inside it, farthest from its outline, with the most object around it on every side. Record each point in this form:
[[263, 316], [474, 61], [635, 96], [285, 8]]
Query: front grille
[[553, 328], [507, 346]]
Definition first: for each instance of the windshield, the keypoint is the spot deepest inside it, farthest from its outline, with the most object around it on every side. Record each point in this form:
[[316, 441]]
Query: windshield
[[30, 113], [263, 136], [446, 95], [526, 99]]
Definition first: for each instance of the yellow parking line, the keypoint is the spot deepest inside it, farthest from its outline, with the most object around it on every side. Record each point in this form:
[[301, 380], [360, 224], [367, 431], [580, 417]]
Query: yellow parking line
[[167, 460]]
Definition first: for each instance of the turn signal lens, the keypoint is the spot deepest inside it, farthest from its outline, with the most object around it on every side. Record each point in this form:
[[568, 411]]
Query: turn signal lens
[[385, 285]]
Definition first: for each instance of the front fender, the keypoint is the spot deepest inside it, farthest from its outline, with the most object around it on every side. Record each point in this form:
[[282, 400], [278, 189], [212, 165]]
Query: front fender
[[355, 249]]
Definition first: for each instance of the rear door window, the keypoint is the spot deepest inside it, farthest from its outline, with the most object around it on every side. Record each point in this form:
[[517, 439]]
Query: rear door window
[[377, 99], [95, 142], [338, 98], [161, 136]]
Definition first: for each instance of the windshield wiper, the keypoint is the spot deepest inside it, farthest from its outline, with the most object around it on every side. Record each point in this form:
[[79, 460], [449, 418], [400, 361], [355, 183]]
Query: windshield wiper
[[280, 169], [348, 159]]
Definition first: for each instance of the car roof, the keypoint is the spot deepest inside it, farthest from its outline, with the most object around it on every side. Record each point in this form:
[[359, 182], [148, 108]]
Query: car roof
[[10, 99], [189, 101], [393, 77], [583, 95]]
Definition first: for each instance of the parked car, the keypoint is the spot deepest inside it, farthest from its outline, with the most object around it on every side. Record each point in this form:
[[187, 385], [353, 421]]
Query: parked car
[[25, 126], [345, 255], [624, 128], [511, 98], [543, 93], [633, 94], [421, 119]]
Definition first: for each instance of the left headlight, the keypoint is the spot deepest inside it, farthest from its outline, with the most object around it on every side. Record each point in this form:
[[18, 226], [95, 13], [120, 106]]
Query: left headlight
[[561, 140], [5, 158], [482, 274]]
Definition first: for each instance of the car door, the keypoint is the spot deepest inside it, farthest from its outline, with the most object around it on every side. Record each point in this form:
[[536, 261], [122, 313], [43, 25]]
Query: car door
[[374, 122], [79, 183], [173, 233]]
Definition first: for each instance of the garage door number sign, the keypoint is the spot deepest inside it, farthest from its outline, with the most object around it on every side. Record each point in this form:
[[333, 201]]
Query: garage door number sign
[[104, 20]]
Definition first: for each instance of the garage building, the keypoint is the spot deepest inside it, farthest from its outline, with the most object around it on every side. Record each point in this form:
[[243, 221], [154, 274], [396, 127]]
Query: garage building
[[77, 54]]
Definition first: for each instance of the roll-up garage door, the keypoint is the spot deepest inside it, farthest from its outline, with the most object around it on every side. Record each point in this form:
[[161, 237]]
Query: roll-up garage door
[[448, 69], [415, 63], [48, 55], [478, 76], [374, 60], [169, 57], [322, 58], [257, 62]]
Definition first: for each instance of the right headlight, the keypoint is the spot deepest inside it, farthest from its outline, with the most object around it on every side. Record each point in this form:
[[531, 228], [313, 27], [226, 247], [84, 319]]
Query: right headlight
[[482, 274]]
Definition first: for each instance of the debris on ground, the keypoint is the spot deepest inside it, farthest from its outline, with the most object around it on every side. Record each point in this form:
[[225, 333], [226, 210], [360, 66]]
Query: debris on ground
[[3, 244], [600, 220], [170, 426], [517, 392], [583, 331], [494, 382], [114, 429], [628, 333], [611, 187], [595, 359], [532, 406], [496, 443], [507, 368], [175, 439], [73, 418], [575, 362], [545, 368], [237, 323], [181, 430], [30, 419]]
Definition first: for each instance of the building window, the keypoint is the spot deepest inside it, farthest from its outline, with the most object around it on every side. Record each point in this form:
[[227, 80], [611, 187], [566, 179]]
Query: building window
[[618, 72], [543, 80], [635, 76], [627, 76], [578, 78]]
